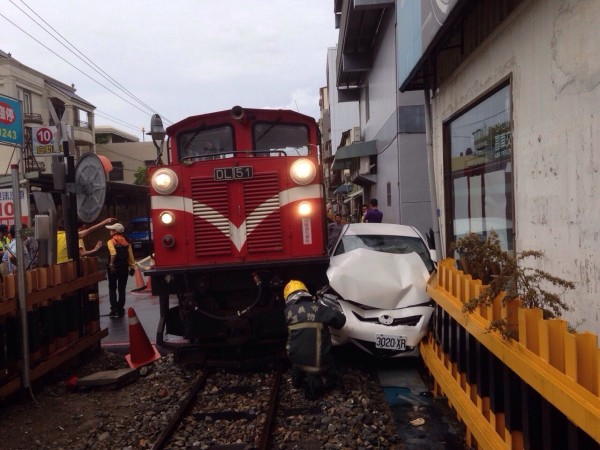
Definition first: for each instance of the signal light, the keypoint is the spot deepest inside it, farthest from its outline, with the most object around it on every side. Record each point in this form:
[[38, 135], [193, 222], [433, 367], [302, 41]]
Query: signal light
[[168, 241]]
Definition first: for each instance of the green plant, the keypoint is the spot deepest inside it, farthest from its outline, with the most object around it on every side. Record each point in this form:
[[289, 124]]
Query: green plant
[[506, 275], [102, 139], [140, 177]]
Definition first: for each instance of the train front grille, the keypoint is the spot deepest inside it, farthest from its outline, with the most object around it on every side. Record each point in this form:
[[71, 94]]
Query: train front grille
[[263, 215], [216, 235], [212, 234]]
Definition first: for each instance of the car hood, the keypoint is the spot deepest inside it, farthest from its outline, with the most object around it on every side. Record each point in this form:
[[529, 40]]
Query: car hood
[[379, 280]]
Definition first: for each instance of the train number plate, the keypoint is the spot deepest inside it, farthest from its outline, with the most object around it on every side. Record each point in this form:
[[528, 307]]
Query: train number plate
[[390, 342], [233, 173]]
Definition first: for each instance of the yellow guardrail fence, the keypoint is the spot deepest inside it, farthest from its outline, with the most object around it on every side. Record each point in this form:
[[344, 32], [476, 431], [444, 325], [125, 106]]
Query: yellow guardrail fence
[[63, 320], [538, 391]]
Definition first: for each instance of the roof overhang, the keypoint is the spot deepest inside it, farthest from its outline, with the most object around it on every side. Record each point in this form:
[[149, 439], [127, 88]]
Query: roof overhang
[[359, 22], [356, 150], [45, 182], [365, 179], [340, 165], [344, 155], [431, 37]]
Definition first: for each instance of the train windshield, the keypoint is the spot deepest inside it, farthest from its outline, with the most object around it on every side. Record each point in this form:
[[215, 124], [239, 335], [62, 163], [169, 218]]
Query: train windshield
[[206, 143], [276, 139]]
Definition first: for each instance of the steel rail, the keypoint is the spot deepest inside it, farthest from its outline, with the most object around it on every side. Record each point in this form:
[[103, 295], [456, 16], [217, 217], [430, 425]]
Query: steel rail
[[184, 406], [265, 438]]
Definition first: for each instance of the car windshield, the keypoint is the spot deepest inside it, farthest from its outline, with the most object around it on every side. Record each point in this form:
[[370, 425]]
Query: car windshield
[[387, 244], [137, 227]]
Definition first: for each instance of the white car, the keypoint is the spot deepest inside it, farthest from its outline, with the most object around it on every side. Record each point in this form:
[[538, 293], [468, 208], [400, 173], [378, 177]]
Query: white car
[[377, 275]]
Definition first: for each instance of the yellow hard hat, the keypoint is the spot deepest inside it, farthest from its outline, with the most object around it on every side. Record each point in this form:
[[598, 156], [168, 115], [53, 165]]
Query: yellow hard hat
[[293, 286]]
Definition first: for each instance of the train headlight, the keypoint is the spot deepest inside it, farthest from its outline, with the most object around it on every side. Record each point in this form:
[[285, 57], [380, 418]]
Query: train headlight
[[303, 171], [304, 209], [167, 218], [164, 181]]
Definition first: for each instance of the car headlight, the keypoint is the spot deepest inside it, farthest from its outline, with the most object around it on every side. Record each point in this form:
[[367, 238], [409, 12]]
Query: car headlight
[[167, 218], [164, 181], [303, 171]]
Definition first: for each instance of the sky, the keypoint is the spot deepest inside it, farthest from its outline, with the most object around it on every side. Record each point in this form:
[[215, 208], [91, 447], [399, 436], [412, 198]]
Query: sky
[[177, 58]]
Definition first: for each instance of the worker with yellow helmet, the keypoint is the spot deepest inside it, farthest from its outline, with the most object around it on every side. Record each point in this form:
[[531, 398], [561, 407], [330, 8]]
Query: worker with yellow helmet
[[309, 340]]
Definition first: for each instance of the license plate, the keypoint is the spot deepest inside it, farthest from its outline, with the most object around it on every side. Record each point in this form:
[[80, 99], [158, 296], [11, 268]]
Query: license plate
[[233, 173], [390, 342], [137, 245]]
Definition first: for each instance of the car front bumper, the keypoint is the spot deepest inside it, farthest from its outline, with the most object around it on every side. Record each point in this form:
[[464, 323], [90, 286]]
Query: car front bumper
[[362, 326]]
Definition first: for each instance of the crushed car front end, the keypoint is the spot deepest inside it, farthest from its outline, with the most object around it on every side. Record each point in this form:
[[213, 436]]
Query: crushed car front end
[[384, 298]]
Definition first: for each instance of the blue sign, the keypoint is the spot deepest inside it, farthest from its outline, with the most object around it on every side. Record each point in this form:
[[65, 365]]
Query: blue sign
[[11, 121]]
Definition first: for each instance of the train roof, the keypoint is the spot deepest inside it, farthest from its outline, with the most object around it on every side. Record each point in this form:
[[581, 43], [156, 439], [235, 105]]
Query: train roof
[[263, 113]]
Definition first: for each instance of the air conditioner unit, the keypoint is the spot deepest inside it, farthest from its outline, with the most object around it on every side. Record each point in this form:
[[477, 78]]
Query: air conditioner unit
[[355, 135]]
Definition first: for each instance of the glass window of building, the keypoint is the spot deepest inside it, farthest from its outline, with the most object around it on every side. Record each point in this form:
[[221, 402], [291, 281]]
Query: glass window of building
[[478, 170], [116, 174]]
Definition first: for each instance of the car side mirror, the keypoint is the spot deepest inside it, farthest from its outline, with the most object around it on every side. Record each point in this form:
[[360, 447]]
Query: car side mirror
[[433, 255]]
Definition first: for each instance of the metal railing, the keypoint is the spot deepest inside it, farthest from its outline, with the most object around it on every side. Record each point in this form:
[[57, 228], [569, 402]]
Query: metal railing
[[538, 391], [33, 118]]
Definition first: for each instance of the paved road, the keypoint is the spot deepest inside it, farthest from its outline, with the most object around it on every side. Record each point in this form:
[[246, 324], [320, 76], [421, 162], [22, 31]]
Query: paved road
[[143, 303]]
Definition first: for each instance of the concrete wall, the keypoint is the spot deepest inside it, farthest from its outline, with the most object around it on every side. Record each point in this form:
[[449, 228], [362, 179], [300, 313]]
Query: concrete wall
[[381, 125], [343, 116], [401, 158], [549, 50]]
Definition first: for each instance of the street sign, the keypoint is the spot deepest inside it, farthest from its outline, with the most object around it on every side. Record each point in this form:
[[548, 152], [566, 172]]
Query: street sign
[[11, 121], [43, 140], [7, 207]]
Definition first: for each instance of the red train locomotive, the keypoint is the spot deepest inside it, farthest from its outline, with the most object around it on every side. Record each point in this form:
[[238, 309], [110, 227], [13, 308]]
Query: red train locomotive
[[237, 211]]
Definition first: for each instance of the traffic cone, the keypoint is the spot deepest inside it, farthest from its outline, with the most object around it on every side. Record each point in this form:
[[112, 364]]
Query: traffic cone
[[139, 279], [142, 352], [148, 287]]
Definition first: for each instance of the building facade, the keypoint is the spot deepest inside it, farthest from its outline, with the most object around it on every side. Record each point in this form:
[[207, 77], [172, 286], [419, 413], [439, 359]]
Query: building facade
[[47, 102], [515, 96], [389, 161], [127, 155], [42, 95]]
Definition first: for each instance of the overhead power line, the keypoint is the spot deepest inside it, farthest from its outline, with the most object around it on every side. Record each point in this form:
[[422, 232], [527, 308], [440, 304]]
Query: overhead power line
[[73, 66], [107, 116], [83, 57], [148, 110]]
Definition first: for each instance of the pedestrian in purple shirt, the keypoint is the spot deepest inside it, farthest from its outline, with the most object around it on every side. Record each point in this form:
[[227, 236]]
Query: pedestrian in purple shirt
[[373, 215]]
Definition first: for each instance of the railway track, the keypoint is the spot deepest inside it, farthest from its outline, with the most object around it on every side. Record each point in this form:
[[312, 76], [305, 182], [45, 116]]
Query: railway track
[[259, 409], [203, 409], [246, 401]]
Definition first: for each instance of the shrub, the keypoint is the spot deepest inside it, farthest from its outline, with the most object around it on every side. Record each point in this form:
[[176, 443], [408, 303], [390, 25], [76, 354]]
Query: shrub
[[506, 275]]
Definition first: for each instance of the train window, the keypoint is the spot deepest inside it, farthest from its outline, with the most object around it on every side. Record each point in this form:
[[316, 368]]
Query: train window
[[206, 143], [277, 139]]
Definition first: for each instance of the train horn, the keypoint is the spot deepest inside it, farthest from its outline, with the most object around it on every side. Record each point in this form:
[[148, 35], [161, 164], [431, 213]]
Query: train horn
[[237, 112]]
